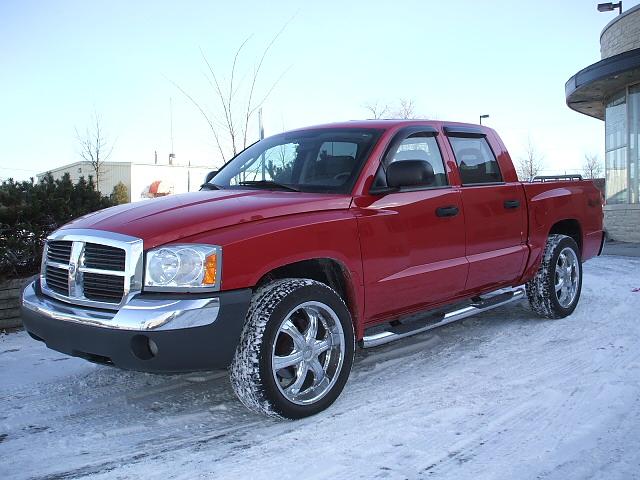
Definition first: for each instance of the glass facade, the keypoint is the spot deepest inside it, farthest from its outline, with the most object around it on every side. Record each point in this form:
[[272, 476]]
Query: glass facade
[[622, 150], [615, 162], [634, 138]]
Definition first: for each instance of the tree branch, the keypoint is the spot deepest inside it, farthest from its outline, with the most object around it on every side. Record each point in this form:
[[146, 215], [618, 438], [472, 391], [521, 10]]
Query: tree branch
[[256, 72], [204, 114], [221, 97]]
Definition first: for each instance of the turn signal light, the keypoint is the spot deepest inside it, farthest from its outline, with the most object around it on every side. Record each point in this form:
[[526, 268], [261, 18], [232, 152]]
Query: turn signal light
[[210, 270]]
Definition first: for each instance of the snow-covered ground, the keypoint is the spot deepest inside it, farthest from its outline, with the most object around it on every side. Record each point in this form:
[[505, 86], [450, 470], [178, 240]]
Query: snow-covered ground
[[501, 395]]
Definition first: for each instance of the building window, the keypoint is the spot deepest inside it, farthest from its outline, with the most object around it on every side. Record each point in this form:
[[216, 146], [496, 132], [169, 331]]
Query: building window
[[616, 149]]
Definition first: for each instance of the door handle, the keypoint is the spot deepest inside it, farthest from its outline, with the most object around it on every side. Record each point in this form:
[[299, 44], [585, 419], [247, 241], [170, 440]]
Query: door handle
[[511, 203], [449, 211]]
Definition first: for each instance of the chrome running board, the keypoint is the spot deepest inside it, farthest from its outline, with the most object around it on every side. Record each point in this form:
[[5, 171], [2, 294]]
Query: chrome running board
[[396, 332]]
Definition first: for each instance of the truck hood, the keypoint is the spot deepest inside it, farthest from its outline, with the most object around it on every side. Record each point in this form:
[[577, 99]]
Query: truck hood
[[168, 219]]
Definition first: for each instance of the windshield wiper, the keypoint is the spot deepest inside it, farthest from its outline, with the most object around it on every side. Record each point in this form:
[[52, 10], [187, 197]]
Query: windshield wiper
[[210, 186], [268, 184]]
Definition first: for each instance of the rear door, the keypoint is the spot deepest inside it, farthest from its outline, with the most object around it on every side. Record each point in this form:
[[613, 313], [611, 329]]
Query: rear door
[[494, 210], [413, 240]]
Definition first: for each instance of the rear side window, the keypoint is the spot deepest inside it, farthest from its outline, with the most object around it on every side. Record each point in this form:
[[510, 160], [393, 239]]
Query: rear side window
[[475, 160]]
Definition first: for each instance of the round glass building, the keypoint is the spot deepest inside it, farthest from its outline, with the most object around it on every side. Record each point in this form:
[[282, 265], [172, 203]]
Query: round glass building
[[610, 90]]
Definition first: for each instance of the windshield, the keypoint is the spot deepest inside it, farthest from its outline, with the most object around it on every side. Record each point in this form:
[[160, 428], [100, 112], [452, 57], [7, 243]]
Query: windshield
[[323, 160]]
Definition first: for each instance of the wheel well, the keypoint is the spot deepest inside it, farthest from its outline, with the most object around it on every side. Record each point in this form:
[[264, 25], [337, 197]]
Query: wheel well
[[571, 228], [326, 270]]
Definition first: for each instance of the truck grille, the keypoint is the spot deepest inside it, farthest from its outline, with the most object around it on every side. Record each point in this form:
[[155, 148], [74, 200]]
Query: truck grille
[[84, 271], [103, 288], [104, 257], [59, 251], [57, 280]]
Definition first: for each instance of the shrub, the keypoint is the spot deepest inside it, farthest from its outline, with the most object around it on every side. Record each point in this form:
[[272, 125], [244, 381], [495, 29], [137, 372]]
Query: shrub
[[120, 194], [30, 211]]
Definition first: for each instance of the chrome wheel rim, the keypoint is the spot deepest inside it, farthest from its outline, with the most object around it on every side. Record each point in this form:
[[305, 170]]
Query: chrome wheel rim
[[567, 276], [308, 353]]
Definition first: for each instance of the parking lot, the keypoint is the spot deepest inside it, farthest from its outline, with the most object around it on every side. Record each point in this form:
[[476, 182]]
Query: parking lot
[[501, 395]]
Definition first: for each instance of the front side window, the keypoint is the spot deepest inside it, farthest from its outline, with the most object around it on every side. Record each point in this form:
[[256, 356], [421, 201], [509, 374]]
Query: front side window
[[475, 160], [323, 160], [417, 146]]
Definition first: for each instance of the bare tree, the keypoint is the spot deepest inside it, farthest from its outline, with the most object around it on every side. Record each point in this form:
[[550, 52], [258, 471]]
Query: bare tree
[[406, 109], [592, 168], [377, 111], [237, 99], [94, 147], [531, 163]]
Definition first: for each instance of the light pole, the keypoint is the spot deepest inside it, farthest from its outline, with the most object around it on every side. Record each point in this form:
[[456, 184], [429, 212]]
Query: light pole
[[483, 116], [608, 7]]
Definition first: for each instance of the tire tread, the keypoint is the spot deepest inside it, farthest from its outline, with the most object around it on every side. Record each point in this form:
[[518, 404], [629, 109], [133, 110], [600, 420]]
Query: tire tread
[[245, 368], [540, 288]]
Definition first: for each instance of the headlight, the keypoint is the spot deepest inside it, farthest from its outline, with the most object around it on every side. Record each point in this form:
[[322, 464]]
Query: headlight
[[183, 268]]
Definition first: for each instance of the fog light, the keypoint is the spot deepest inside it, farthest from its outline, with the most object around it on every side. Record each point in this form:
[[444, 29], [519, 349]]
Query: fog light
[[153, 348], [143, 347]]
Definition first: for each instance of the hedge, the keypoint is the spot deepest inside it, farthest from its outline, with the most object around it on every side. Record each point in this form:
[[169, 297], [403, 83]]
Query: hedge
[[30, 211]]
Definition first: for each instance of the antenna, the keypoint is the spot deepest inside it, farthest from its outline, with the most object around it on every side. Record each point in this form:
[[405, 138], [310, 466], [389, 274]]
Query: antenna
[[260, 126], [261, 130], [171, 120], [172, 155]]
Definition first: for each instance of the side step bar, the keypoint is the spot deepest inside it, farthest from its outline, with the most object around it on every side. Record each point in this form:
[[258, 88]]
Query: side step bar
[[400, 330]]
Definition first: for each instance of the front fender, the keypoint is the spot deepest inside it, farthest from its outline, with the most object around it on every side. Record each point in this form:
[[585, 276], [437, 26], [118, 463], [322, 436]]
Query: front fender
[[252, 250]]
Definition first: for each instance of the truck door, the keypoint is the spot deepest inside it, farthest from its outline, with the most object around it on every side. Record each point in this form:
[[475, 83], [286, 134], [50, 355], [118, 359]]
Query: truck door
[[413, 240], [494, 210]]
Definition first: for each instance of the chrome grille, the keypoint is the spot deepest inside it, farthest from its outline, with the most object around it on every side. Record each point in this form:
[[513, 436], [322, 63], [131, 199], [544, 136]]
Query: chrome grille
[[91, 267], [59, 251], [104, 257], [58, 280], [103, 288]]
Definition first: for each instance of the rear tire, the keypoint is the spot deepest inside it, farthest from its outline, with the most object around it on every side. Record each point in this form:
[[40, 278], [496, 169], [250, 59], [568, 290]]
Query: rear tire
[[555, 290], [295, 351]]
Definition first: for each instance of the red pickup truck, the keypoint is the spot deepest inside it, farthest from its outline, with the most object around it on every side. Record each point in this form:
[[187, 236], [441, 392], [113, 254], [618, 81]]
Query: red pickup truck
[[307, 243]]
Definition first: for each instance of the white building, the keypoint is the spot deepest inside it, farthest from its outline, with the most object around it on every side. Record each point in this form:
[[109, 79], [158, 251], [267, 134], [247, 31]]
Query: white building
[[139, 178]]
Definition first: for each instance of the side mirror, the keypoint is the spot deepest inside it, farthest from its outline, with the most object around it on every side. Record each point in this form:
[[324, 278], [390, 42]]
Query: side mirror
[[210, 175], [410, 173]]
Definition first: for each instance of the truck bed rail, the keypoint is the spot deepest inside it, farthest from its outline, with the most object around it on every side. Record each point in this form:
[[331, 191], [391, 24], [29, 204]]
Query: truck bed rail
[[551, 178]]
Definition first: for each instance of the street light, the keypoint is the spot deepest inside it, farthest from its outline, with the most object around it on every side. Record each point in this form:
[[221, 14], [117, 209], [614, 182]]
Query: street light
[[483, 116], [609, 7]]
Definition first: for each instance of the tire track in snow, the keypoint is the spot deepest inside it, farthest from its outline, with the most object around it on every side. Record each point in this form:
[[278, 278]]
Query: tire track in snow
[[168, 446]]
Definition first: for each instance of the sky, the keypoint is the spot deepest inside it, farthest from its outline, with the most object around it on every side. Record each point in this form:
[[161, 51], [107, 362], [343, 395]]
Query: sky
[[63, 62]]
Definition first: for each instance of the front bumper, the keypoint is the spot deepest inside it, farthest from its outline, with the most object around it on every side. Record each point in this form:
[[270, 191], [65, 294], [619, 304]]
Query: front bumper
[[151, 333]]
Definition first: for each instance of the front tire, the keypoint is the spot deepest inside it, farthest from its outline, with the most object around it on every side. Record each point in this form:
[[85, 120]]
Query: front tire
[[555, 290], [295, 351]]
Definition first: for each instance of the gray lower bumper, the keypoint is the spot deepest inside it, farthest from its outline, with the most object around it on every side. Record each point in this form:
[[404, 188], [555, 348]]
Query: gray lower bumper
[[151, 333]]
